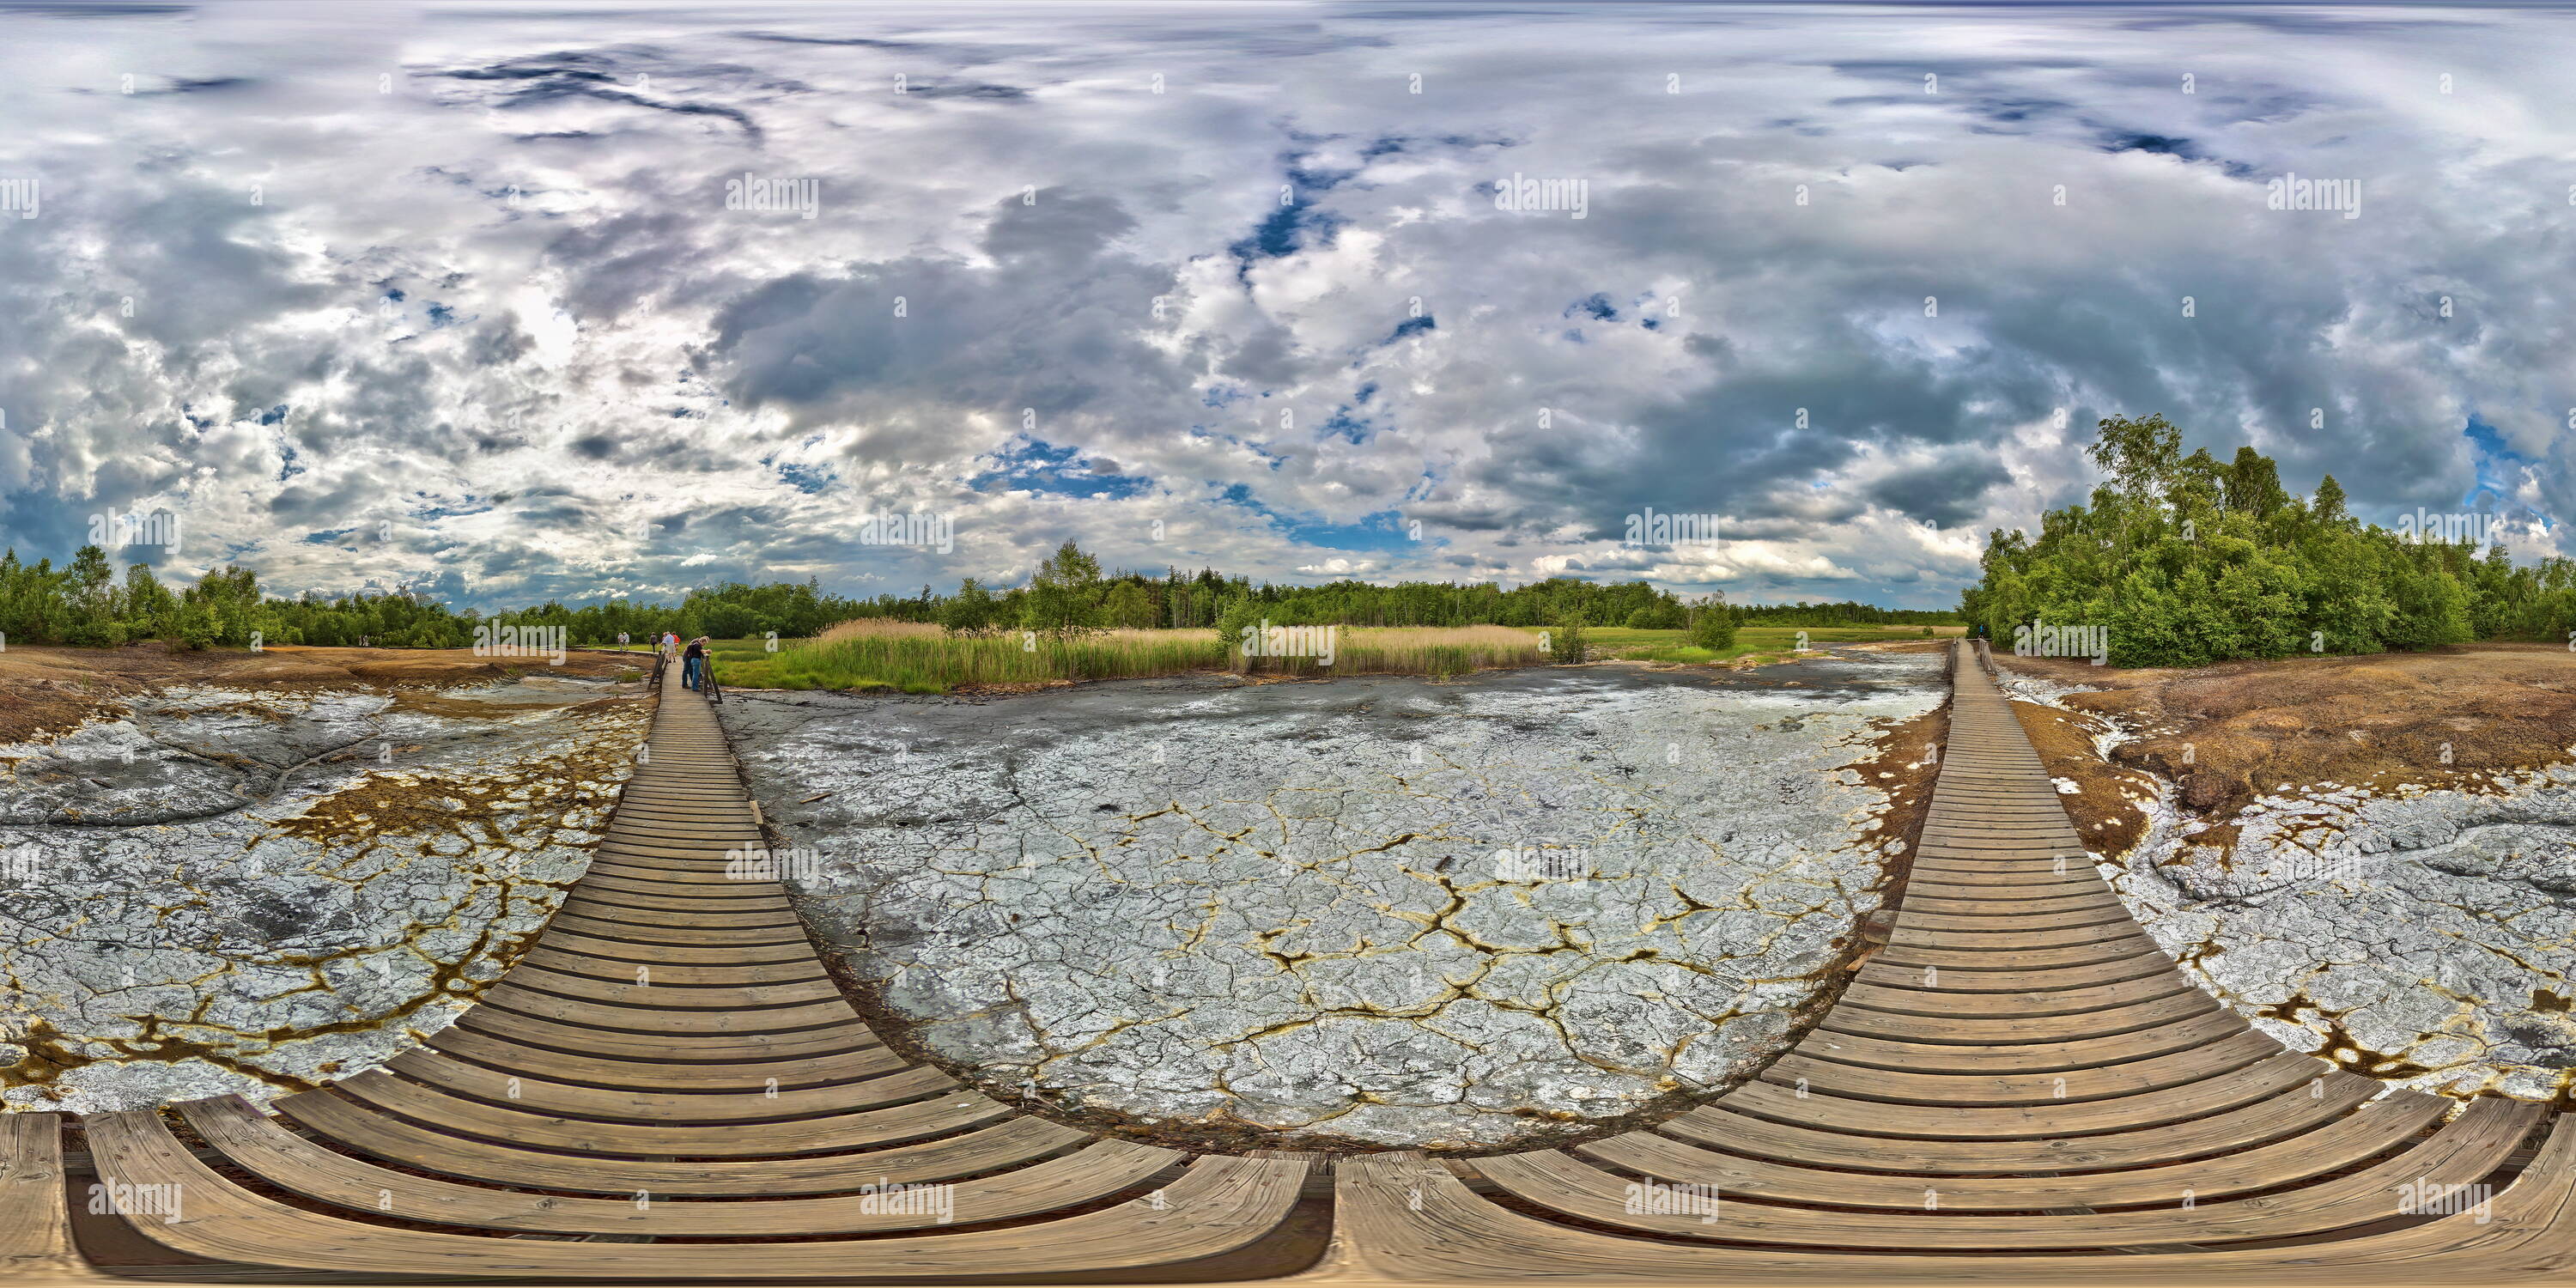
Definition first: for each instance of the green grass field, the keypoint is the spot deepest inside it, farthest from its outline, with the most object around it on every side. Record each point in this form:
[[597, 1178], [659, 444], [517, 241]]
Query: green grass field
[[1760, 643]]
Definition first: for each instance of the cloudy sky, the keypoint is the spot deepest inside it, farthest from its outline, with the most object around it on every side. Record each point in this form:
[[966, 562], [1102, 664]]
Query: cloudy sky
[[454, 295]]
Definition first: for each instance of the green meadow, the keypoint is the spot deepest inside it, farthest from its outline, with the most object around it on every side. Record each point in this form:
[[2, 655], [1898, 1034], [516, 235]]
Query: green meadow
[[1760, 644]]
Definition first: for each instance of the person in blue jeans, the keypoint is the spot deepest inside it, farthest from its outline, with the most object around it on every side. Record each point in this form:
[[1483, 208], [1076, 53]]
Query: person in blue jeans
[[693, 663]]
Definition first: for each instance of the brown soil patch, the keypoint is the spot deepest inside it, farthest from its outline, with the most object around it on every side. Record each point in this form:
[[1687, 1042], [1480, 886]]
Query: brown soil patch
[[2108, 805], [2456, 718], [1897, 646], [1905, 770], [49, 689]]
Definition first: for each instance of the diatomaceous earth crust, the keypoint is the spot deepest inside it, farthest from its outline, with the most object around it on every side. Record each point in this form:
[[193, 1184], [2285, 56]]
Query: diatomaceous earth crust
[[222, 890], [1380, 912], [2418, 933]]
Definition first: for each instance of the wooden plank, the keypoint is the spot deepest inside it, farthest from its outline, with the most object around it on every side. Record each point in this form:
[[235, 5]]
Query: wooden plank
[[638, 912], [2464, 1153], [2015, 903], [1217, 1206], [2368, 1132], [562, 959], [740, 1025], [534, 1094], [2080, 954], [621, 929], [663, 989], [254, 1142], [665, 877], [592, 1069], [2527, 1235], [2012, 923], [865, 1129], [2018, 942], [2286, 1074], [2261, 1123], [2042, 1057], [561, 935], [35, 1221], [1980, 1004], [723, 896], [1013, 1142], [650, 852], [669, 1048], [1981, 1031], [2134, 1077], [1931, 881], [1888, 974]]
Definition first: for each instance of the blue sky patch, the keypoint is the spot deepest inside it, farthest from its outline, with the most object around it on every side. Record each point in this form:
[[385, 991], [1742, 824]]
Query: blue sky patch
[[1035, 465], [807, 478], [1383, 530], [1355, 429]]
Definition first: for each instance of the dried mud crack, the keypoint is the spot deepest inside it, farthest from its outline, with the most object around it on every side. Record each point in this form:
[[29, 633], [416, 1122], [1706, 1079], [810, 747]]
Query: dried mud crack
[[216, 889], [1366, 914]]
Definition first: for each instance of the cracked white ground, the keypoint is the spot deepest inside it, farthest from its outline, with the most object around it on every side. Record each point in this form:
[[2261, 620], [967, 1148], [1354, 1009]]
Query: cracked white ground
[[2425, 936], [232, 890], [1380, 910]]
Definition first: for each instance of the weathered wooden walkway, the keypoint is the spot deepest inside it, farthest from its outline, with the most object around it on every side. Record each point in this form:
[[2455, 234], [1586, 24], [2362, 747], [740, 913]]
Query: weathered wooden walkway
[[2017, 1085]]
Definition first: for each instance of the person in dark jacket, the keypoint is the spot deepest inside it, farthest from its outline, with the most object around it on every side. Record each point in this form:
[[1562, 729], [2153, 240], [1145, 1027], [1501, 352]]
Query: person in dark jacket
[[693, 663]]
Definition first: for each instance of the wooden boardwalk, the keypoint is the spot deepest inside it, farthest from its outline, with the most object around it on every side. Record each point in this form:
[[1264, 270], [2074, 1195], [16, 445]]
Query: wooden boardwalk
[[2017, 1085]]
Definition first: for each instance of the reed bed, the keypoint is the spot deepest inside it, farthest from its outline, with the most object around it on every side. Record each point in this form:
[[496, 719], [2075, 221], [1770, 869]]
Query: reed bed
[[1416, 650], [916, 657]]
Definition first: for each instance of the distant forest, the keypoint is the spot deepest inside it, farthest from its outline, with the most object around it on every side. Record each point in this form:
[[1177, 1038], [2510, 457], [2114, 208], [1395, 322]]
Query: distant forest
[[85, 603], [2188, 561]]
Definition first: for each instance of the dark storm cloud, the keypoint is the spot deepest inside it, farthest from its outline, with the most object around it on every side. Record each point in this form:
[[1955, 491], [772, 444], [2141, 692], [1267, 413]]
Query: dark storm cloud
[[857, 42], [603, 77], [888, 337], [1949, 493], [997, 93]]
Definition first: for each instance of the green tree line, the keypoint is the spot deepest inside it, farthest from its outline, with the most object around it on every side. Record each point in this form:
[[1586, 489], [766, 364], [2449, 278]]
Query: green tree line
[[2187, 560], [1070, 592], [1847, 613], [85, 603]]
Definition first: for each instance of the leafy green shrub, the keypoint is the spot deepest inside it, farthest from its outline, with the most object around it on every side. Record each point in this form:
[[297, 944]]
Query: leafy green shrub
[[1712, 628], [2187, 561], [1566, 643]]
